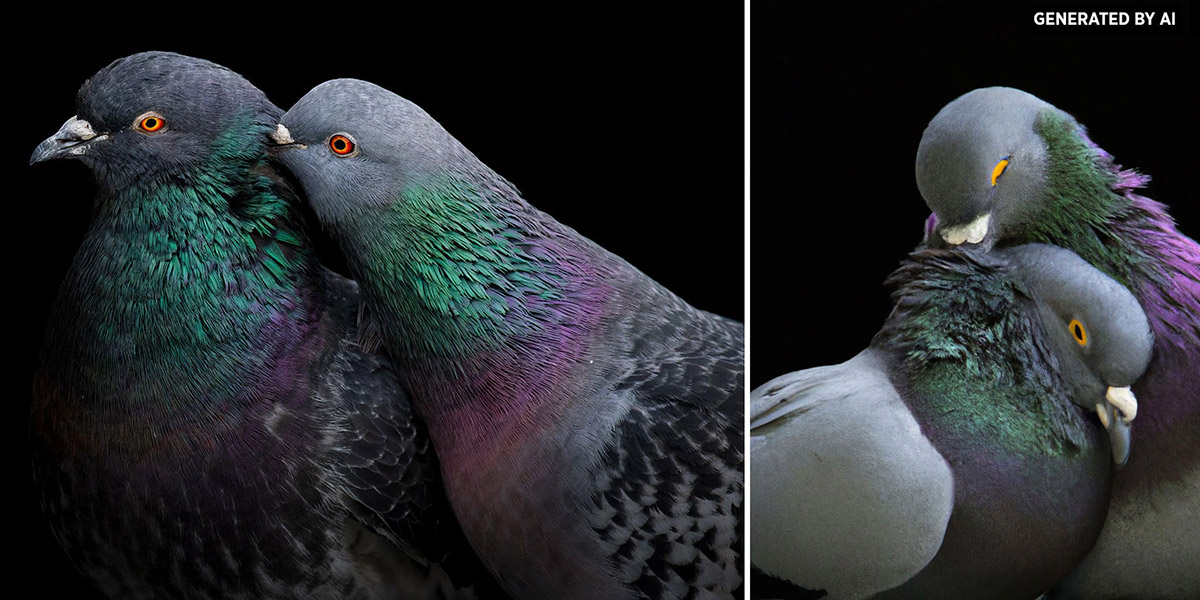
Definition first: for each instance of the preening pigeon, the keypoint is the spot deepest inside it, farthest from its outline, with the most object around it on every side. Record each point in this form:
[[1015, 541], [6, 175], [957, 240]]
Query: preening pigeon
[[954, 457], [587, 420], [999, 166], [205, 424]]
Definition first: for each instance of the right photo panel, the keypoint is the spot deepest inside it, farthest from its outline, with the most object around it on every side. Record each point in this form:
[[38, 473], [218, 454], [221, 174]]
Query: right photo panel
[[975, 303]]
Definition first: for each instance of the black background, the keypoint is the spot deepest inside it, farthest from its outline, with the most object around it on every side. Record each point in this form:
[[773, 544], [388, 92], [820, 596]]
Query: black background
[[626, 125], [839, 99]]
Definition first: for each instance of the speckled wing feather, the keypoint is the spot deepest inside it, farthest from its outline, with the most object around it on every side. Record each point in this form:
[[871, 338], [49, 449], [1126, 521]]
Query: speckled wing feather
[[588, 421], [389, 469], [669, 490], [697, 357], [204, 422], [392, 482], [388, 464]]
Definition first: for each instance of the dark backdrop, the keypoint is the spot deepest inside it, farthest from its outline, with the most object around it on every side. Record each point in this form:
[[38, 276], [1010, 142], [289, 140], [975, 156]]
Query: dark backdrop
[[839, 99], [628, 126]]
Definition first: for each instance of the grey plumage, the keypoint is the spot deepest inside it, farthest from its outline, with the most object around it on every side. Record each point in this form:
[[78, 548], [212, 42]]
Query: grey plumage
[[1061, 187], [974, 140], [948, 460], [858, 510], [589, 422], [205, 424]]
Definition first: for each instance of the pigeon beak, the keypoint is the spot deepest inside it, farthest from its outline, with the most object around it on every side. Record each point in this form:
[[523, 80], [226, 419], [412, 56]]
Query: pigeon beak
[[282, 140], [72, 139], [1123, 399], [1116, 413], [971, 233]]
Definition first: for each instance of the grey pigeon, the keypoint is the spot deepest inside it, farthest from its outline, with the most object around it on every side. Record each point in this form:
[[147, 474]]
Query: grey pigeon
[[959, 455], [205, 422], [999, 166], [588, 421]]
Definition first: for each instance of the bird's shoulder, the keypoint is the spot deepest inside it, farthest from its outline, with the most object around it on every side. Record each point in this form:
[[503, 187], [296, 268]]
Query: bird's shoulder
[[668, 482], [841, 465], [672, 352], [793, 394]]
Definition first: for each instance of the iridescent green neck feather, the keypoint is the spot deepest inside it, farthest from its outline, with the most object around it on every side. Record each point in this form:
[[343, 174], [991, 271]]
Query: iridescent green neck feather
[[185, 289], [1080, 203], [964, 339], [466, 269], [489, 306]]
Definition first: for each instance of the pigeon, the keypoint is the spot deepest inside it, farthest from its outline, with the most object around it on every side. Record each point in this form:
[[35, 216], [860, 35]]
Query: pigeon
[[205, 421], [588, 422], [960, 455], [999, 166]]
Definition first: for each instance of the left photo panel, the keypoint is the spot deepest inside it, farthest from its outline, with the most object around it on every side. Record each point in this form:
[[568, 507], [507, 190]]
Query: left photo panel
[[429, 312]]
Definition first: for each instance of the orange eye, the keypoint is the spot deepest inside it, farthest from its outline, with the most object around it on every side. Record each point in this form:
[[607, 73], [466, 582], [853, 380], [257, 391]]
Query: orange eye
[[341, 145], [998, 170], [152, 123], [1078, 331]]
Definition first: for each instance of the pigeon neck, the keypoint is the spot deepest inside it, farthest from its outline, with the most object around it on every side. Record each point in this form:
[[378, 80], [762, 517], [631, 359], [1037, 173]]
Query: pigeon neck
[[1166, 280], [486, 303], [1096, 212], [178, 301], [981, 355], [1080, 201]]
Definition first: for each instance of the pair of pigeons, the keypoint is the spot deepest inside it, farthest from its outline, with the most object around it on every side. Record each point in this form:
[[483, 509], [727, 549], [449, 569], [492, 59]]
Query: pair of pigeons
[[494, 407], [1049, 321]]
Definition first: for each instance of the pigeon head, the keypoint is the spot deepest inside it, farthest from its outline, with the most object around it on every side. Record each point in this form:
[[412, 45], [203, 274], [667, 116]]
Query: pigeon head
[[1095, 328], [434, 234], [985, 165], [162, 116], [355, 146], [1037, 326], [177, 148]]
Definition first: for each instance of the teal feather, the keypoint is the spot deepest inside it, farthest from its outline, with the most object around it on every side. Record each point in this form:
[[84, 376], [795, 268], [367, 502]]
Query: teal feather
[[955, 324], [1082, 204]]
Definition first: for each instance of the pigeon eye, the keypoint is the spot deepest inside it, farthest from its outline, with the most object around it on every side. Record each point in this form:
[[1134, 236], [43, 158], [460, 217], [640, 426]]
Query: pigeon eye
[[341, 144], [150, 122], [998, 170], [1078, 331]]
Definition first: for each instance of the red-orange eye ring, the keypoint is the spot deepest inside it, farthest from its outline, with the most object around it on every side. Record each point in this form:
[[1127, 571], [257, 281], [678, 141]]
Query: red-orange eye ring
[[341, 145], [151, 123]]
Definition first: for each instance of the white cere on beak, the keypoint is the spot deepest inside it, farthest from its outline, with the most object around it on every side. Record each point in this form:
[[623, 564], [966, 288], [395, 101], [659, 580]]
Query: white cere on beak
[[972, 232], [1103, 415], [281, 135], [76, 129], [1123, 399]]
